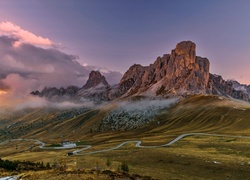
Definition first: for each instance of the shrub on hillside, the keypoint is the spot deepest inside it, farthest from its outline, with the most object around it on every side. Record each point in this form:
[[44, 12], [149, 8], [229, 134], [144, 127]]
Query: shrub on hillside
[[124, 167]]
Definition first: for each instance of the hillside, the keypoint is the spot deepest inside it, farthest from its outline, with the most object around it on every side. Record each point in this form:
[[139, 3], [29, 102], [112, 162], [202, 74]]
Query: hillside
[[194, 114], [190, 158]]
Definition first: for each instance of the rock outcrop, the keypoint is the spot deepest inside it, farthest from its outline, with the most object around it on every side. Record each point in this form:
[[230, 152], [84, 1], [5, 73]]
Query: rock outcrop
[[178, 74], [96, 88], [218, 86], [95, 79], [241, 87], [181, 72]]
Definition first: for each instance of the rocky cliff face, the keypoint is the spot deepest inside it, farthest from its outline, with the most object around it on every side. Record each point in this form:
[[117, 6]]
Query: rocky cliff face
[[218, 86], [95, 79], [241, 87], [181, 72]]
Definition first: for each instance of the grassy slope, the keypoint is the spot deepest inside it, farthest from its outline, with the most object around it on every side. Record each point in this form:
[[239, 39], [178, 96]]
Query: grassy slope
[[194, 114], [206, 114], [190, 158]]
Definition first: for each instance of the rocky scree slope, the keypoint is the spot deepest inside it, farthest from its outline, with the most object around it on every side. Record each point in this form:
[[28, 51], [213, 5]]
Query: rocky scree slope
[[132, 115]]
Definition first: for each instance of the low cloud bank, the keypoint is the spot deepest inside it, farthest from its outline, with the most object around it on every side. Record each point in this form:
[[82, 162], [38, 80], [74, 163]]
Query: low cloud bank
[[11, 104], [134, 114], [29, 62], [150, 105]]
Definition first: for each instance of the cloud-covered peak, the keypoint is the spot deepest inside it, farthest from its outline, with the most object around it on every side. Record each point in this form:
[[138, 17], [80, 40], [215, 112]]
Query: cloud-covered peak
[[29, 62]]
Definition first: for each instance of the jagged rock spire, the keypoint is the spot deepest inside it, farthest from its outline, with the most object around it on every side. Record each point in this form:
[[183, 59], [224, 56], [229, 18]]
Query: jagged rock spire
[[95, 79]]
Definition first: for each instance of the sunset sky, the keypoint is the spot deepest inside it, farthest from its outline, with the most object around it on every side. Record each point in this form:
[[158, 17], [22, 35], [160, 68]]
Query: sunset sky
[[112, 35]]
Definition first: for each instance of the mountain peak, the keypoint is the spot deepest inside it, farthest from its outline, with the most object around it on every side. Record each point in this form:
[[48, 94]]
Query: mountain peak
[[95, 79], [180, 72], [185, 47], [185, 50]]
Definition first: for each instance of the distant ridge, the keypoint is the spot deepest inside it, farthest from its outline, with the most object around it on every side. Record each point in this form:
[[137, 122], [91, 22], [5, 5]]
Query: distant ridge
[[180, 73]]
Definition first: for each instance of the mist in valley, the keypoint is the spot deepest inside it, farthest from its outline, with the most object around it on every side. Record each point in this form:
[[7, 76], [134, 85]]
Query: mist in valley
[[134, 114]]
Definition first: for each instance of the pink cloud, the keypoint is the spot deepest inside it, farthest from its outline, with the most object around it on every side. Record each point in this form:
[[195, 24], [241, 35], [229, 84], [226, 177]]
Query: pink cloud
[[20, 86], [26, 65], [8, 28], [17, 97]]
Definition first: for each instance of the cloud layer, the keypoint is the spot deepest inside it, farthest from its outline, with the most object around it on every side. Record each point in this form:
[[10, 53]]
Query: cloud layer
[[40, 67], [23, 36], [26, 65]]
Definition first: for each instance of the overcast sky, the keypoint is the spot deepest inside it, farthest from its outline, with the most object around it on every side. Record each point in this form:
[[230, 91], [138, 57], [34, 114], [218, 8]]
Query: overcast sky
[[114, 34]]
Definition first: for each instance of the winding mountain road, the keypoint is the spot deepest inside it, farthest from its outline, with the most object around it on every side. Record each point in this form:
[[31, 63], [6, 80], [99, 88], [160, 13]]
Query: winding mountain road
[[137, 143]]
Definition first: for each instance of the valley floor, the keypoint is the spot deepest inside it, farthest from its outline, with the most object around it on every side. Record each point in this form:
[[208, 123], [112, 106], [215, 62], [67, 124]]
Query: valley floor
[[194, 157]]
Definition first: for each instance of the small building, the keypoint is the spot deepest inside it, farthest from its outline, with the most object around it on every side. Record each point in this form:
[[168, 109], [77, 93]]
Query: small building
[[66, 142]]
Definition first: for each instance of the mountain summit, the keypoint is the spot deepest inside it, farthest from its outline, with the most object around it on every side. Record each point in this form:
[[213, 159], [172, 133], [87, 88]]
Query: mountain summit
[[172, 74], [95, 79]]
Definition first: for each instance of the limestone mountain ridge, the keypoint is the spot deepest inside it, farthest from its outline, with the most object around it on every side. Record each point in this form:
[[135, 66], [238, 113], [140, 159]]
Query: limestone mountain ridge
[[180, 73]]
